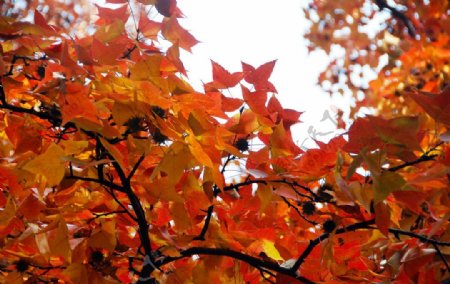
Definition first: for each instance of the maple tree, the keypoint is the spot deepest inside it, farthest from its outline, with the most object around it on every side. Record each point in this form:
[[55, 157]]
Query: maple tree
[[114, 169]]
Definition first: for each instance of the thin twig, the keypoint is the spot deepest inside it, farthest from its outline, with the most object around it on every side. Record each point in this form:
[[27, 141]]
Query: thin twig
[[423, 158], [382, 4], [98, 181], [209, 212], [298, 211], [319, 239], [111, 192], [99, 215]]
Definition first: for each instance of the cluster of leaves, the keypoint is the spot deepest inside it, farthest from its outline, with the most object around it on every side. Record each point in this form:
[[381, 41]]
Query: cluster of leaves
[[114, 169]]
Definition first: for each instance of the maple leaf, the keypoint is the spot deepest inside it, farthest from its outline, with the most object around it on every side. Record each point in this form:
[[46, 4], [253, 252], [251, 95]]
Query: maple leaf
[[224, 79], [49, 165], [173, 32], [114, 168], [259, 76], [373, 132], [436, 105]]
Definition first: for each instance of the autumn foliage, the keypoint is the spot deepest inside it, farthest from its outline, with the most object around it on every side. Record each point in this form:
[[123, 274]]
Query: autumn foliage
[[114, 169]]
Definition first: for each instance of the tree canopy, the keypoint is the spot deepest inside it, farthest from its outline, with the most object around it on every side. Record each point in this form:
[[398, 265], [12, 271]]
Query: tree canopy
[[114, 169]]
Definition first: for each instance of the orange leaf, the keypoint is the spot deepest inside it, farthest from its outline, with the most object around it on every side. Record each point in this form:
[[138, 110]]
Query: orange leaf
[[174, 33], [230, 104], [147, 27], [76, 103], [382, 217], [59, 244], [104, 237], [108, 15], [255, 100], [224, 79], [259, 77], [49, 164], [436, 105]]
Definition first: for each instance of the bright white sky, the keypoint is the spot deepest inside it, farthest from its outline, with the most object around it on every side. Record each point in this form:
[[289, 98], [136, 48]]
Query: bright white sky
[[258, 31]]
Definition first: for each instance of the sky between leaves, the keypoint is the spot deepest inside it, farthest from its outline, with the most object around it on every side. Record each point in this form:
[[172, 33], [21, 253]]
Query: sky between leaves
[[258, 31]]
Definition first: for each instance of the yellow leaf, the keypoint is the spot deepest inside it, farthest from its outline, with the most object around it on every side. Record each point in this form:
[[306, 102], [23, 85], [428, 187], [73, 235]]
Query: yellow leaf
[[107, 33], [73, 147], [171, 251], [105, 237], [162, 188], [59, 244], [177, 159], [198, 152], [77, 273], [122, 112], [50, 165], [269, 248], [146, 68]]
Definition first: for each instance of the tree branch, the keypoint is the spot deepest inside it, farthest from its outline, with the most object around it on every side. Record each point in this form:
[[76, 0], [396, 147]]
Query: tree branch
[[136, 166], [253, 261], [209, 212], [98, 181], [359, 226], [319, 239], [423, 158], [99, 215], [147, 268], [444, 260], [201, 237], [290, 205], [382, 4], [42, 115], [419, 237]]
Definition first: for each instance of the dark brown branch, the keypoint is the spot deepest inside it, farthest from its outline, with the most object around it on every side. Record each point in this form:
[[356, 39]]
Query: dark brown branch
[[136, 166], [319, 239], [201, 237], [419, 237], [290, 205], [113, 195], [209, 212], [253, 261], [24, 59], [425, 157], [98, 181], [292, 184], [262, 271], [148, 268], [99, 215], [382, 4], [359, 226], [127, 54], [237, 186], [6, 105], [442, 257], [109, 186]]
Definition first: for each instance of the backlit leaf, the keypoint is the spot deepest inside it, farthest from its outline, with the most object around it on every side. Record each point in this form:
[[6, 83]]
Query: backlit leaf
[[49, 165]]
